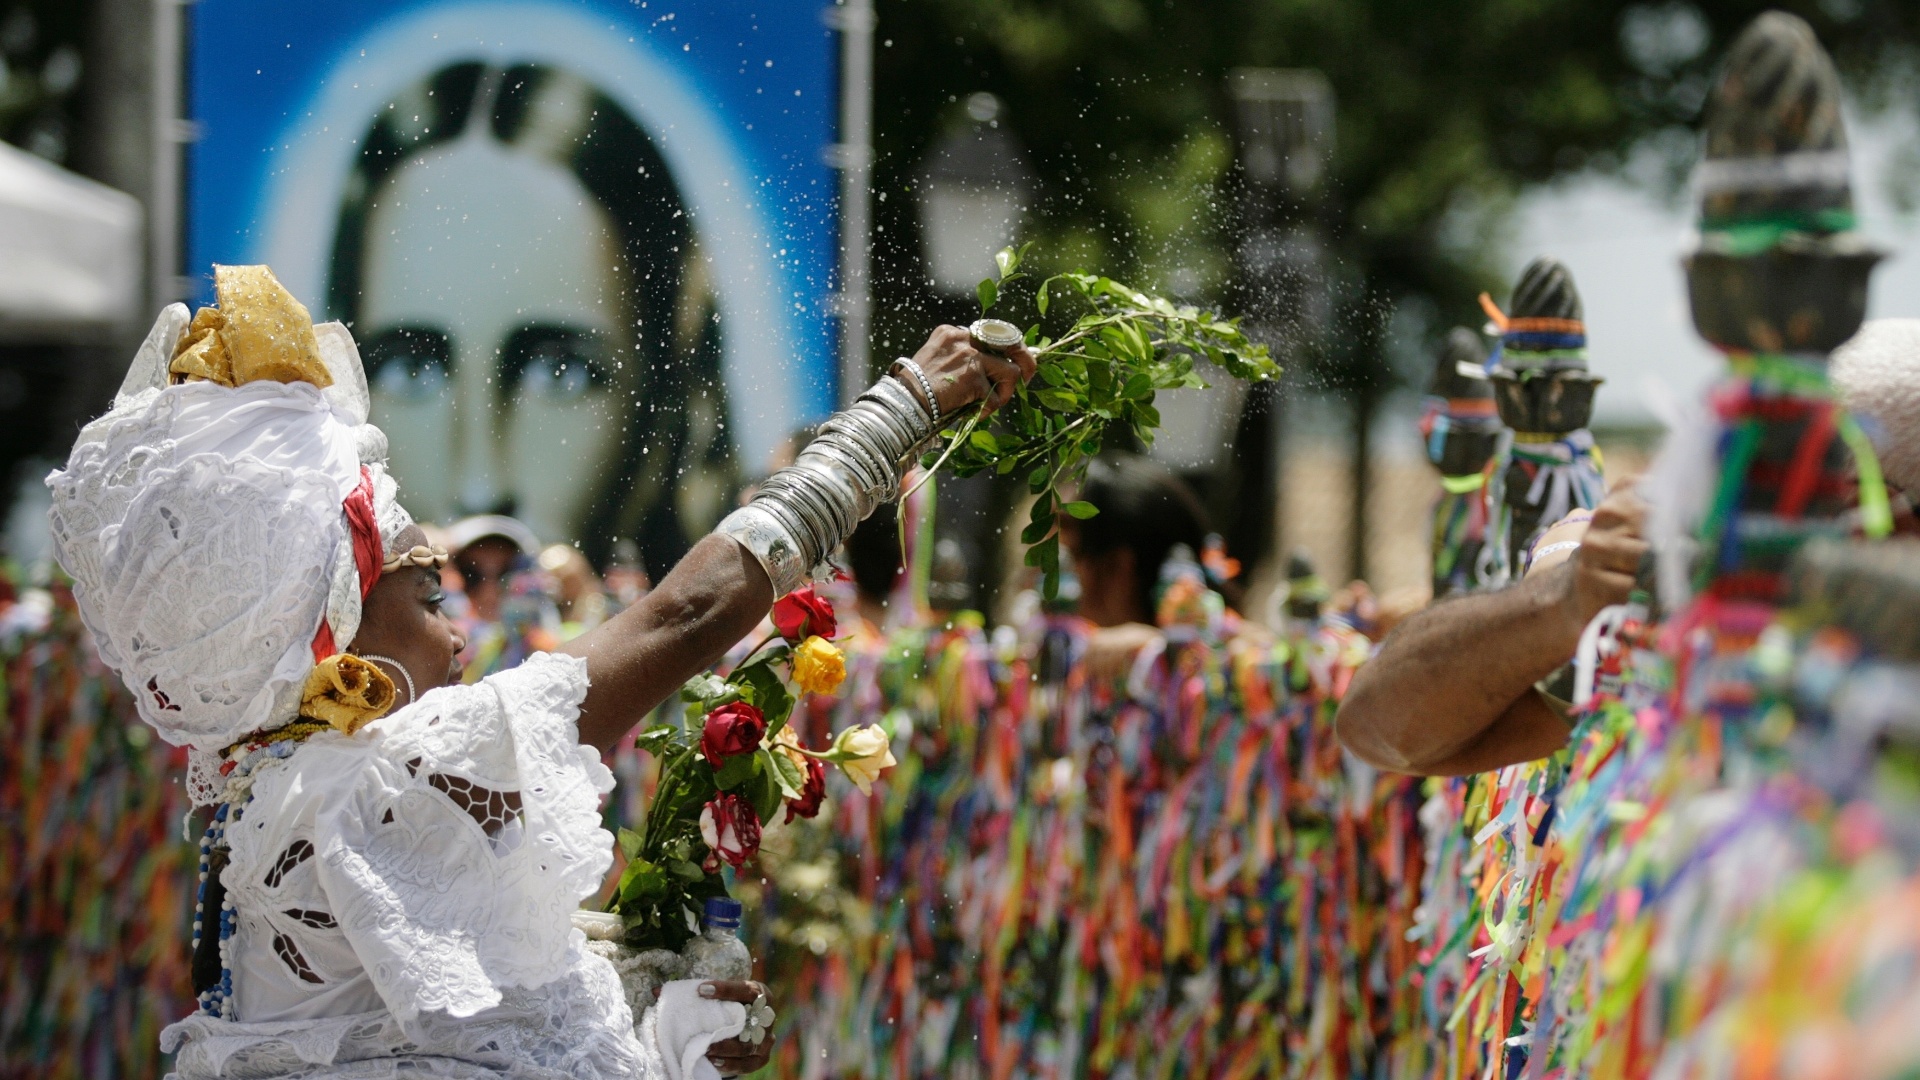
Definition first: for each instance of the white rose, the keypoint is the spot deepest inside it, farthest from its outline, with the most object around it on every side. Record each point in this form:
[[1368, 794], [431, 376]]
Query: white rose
[[863, 753]]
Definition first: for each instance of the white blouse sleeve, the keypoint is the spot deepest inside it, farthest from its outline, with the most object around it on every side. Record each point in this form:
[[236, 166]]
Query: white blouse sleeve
[[455, 858]]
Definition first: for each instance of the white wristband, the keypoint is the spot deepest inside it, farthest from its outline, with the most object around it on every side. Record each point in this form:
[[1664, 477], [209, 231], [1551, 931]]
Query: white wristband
[[1564, 545]]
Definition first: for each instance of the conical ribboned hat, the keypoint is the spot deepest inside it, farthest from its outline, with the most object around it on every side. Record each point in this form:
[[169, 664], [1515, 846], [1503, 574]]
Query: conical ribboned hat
[[1775, 140], [1546, 291], [1544, 324], [1459, 371]]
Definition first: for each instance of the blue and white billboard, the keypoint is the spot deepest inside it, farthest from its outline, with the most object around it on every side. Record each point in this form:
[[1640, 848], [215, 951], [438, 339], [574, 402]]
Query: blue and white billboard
[[586, 247]]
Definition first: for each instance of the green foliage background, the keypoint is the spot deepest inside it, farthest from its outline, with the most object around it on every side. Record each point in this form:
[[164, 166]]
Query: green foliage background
[[1447, 109]]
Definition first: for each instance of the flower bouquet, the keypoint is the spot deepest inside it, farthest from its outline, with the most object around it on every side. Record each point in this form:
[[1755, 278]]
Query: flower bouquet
[[730, 768]]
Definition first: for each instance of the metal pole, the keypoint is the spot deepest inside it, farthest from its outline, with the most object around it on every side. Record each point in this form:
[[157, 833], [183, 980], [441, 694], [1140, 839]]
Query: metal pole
[[1284, 128], [853, 156], [170, 133]]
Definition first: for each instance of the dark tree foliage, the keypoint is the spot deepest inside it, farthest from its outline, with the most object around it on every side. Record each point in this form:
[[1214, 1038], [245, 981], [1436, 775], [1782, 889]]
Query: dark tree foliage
[[40, 70], [1446, 109]]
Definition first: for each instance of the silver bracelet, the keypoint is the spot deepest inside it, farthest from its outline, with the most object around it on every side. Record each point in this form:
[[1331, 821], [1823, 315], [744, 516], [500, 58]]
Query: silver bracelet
[[803, 512], [933, 403], [770, 541]]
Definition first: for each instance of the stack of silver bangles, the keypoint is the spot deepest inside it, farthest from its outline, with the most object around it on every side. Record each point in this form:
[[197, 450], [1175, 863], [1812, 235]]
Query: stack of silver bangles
[[803, 512]]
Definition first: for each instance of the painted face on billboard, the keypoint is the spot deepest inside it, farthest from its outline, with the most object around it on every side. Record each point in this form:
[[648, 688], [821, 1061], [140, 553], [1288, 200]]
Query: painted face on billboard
[[529, 297]]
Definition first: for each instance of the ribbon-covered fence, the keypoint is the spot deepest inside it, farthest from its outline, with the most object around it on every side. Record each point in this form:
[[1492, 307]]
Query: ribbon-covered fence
[[96, 877], [1186, 877]]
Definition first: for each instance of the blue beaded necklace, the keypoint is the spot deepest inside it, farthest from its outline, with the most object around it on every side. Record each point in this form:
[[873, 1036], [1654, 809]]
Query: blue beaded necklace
[[243, 761]]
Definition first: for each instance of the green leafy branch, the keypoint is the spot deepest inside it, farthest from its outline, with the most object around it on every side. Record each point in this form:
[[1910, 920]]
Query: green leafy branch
[[1123, 348]]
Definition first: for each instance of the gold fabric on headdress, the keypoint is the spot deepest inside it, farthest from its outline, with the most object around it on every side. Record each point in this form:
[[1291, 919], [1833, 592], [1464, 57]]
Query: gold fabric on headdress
[[258, 331]]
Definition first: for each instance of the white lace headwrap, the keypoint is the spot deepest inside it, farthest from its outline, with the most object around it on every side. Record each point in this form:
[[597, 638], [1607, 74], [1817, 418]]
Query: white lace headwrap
[[203, 528]]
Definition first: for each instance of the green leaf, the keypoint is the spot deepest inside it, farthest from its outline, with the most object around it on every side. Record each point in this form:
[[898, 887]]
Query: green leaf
[[1121, 343], [1036, 531], [686, 871], [1006, 260], [1081, 510], [630, 842], [642, 883], [988, 293], [763, 791], [658, 739], [702, 687], [984, 442], [766, 689], [1142, 342], [736, 770], [787, 773], [1040, 298], [1050, 566], [1139, 386]]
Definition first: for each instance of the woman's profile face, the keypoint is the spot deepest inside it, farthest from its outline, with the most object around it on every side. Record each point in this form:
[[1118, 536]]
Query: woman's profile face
[[492, 319], [401, 621]]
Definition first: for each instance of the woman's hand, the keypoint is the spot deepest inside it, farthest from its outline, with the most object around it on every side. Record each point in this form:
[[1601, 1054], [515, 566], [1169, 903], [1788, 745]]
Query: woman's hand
[[732, 1057], [962, 374]]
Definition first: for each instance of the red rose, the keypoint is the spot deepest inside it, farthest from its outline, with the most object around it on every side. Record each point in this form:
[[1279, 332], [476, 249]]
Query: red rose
[[730, 730], [812, 793], [729, 827], [804, 613]]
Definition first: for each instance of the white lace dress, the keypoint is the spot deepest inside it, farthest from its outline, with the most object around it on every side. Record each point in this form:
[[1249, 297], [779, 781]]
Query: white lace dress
[[402, 900]]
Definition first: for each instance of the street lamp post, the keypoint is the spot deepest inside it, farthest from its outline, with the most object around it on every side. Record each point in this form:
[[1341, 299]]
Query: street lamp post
[[1284, 131], [974, 190], [853, 156]]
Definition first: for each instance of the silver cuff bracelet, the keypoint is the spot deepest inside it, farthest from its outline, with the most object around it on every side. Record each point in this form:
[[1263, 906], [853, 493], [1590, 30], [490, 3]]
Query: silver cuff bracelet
[[803, 512]]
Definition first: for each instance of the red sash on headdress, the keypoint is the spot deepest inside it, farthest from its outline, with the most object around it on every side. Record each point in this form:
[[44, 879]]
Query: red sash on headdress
[[368, 555]]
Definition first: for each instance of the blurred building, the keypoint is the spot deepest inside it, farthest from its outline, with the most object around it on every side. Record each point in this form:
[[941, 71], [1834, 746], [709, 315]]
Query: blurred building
[[88, 179]]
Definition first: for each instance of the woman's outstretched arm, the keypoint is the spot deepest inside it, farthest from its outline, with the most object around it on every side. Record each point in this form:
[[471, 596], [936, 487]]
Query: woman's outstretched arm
[[716, 595], [711, 600]]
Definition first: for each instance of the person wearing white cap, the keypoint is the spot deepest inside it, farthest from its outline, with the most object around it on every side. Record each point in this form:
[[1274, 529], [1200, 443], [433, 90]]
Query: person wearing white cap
[[1876, 376], [392, 862]]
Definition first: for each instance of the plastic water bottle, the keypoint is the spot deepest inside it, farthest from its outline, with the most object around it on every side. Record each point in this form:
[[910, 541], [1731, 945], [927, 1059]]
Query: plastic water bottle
[[718, 953]]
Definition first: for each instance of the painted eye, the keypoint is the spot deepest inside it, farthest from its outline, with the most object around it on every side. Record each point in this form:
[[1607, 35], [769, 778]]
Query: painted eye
[[547, 363], [408, 364]]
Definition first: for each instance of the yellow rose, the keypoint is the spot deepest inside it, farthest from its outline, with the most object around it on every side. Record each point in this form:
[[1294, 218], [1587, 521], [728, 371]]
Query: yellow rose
[[818, 666], [863, 753], [346, 692]]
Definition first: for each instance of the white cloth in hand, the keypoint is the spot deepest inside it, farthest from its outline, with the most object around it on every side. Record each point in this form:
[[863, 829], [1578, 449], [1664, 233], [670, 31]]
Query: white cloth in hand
[[688, 1024]]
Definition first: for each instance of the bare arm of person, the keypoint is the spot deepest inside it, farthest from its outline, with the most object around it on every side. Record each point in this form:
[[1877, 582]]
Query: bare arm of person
[[716, 595], [1452, 689]]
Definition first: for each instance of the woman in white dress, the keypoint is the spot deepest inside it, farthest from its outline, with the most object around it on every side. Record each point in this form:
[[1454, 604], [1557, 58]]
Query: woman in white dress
[[393, 859]]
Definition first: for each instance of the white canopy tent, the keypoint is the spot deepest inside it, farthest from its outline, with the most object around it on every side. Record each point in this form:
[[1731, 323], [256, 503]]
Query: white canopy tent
[[70, 254]]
